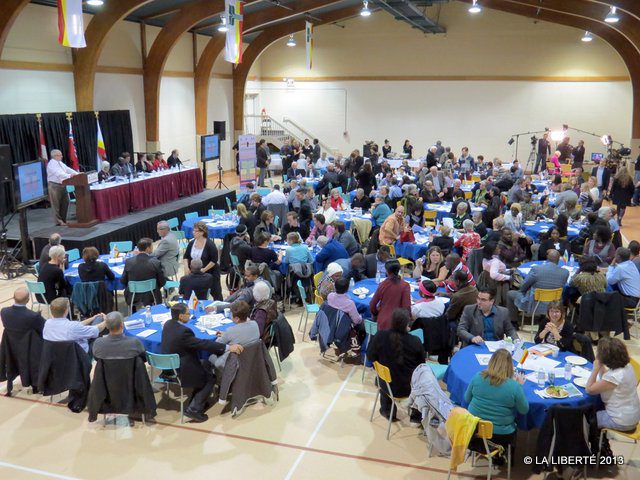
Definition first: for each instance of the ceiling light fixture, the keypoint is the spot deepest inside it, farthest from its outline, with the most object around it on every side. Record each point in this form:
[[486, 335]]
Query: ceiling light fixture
[[475, 8], [606, 140], [291, 42], [365, 12], [224, 26], [587, 37], [612, 16], [95, 3]]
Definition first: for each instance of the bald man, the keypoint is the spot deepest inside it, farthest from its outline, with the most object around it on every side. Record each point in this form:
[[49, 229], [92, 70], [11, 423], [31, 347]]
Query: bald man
[[548, 275], [19, 318]]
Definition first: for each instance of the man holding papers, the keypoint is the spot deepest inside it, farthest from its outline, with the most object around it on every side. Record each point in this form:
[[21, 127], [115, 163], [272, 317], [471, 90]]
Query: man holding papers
[[485, 320]]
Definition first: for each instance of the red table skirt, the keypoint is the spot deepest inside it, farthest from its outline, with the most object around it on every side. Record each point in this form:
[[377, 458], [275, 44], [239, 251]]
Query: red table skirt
[[115, 201]]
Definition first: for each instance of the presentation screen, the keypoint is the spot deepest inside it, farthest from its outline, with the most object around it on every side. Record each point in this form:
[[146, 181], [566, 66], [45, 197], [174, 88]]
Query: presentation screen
[[210, 147], [596, 157], [30, 183]]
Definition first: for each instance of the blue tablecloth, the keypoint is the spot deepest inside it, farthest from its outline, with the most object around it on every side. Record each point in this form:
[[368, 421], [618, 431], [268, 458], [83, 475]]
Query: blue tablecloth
[[444, 208], [72, 277], [152, 343], [464, 366], [534, 231], [370, 283], [216, 230], [412, 251], [347, 216]]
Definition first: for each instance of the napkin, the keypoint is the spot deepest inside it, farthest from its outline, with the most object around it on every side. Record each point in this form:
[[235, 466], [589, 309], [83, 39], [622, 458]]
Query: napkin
[[133, 324]]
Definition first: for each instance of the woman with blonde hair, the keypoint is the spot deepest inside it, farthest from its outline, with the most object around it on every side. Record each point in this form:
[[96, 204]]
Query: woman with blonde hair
[[495, 394], [622, 192], [245, 218]]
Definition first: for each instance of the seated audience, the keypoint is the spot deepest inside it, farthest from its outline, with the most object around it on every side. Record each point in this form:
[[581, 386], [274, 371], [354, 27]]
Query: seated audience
[[194, 373], [545, 210], [485, 320], [337, 202], [240, 247], [326, 285], [264, 310], [478, 225], [513, 218], [246, 219], [416, 216], [346, 238], [142, 267], [463, 295], [555, 330], [354, 267], [205, 249], [293, 225], [321, 228], [261, 253], [341, 301], [196, 281], [117, 345], [297, 251], [468, 240], [429, 306], [266, 225], [391, 294], [251, 277], [401, 353], [624, 276], [553, 242], [431, 266], [613, 378], [443, 241], [331, 250], [52, 275], [588, 278], [634, 248], [54, 240], [327, 211], [361, 201], [19, 317], [381, 210], [375, 262], [59, 328], [243, 333], [510, 249], [453, 263], [496, 394], [461, 215], [601, 246], [93, 270], [392, 227], [167, 250]]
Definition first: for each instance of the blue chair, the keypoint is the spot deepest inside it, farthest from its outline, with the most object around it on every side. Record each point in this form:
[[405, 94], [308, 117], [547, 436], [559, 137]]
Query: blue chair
[[229, 206], [214, 212], [170, 362], [73, 255], [36, 288], [71, 190], [189, 215], [263, 191], [276, 221], [140, 287], [285, 177], [36, 267], [438, 370], [124, 247], [308, 308], [370, 328], [418, 333], [182, 239], [235, 262], [169, 284], [173, 223]]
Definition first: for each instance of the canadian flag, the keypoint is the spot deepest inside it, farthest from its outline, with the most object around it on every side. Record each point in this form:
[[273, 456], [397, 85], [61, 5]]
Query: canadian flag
[[43, 143], [73, 155]]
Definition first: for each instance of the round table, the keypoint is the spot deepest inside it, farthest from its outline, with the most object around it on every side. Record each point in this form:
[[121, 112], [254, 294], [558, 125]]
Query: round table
[[284, 265], [152, 343], [115, 264], [347, 215], [413, 251], [444, 209], [464, 366], [534, 229], [218, 227], [525, 268]]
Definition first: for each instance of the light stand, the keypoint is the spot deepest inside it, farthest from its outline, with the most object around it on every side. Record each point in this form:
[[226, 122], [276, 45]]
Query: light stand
[[220, 183], [10, 266], [517, 135]]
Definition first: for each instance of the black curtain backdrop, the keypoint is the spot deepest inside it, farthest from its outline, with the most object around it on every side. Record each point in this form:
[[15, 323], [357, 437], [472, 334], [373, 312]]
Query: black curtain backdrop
[[21, 133]]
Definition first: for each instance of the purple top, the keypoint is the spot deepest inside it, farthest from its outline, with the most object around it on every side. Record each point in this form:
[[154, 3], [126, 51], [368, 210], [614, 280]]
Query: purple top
[[341, 301]]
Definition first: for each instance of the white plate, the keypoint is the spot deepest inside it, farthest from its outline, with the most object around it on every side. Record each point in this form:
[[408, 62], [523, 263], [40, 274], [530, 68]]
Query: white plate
[[580, 381], [576, 360]]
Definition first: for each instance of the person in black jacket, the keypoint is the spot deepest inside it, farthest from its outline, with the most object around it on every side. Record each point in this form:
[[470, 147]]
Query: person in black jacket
[[293, 225], [203, 248], [361, 200], [197, 281], [18, 317], [262, 160], [194, 373], [443, 241], [366, 179], [52, 275], [554, 242], [93, 270], [143, 267], [174, 160], [117, 345], [554, 329], [401, 353]]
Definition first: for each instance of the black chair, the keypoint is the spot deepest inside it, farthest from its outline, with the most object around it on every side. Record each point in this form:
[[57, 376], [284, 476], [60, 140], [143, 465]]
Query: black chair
[[20, 354], [121, 386]]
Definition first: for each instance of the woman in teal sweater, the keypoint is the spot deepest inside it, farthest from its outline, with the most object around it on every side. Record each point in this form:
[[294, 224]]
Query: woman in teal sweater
[[495, 395]]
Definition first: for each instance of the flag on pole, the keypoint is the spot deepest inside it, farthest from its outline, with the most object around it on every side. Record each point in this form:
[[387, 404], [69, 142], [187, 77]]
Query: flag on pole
[[193, 301], [233, 43], [102, 151], [308, 36], [73, 155], [70, 24], [43, 144]]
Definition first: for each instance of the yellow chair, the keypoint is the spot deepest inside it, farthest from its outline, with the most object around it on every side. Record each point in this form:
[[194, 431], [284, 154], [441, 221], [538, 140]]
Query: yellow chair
[[317, 298], [430, 217], [635, 313], [541, 295], [484, 432], [316, 278], [475, 178], [404, 262], [635, 436], [467, 195], [399, 203], [383, 374], [565, 168], [636, 369]]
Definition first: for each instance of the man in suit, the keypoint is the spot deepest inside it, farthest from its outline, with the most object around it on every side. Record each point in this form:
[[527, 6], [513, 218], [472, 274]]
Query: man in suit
[[548, 276], [432, 157], [194, 373], [54, 240], [167, 250], [18, 317], [437, 179], [315, 154], [485, 320], [465, 294], [197, 281], [374, 262], [262, 161], [544, 150], [603, 178], [143, 267], [117, 345], [122, 168]]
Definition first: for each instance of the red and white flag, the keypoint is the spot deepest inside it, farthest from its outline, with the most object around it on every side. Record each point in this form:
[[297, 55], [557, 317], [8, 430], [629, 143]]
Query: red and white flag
[[73, 155], [43, 143]]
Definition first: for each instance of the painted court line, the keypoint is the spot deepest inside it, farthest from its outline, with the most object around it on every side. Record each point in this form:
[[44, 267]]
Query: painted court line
[[42, 473]]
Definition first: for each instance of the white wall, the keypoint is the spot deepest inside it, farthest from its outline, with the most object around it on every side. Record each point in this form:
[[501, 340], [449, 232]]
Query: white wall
[[23, 91], [481, 115]]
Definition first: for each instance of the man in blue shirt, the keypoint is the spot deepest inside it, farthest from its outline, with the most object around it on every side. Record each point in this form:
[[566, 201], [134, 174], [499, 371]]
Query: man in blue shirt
[[395, 192], [332, 250], [60, 329], [624, 275]]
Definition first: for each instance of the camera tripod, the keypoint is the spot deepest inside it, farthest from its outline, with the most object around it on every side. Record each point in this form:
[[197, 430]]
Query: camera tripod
[[531, 161], [10, 266], [220, 183]]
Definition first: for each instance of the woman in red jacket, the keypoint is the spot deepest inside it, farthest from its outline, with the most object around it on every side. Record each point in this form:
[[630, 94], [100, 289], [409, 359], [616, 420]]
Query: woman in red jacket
[[392, 293]]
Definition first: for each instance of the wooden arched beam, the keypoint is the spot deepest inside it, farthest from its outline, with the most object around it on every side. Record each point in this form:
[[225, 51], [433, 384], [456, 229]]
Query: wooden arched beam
[[632, 7], [85, 60], [253, 21], [262, 42], [8, 14], [613, 37]]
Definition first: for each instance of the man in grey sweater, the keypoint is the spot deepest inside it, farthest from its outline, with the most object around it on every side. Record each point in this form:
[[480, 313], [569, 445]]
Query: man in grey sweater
[[116, 345], [243, 332]]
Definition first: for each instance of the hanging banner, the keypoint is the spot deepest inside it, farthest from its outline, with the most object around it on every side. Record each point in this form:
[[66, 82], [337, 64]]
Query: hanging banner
[[308, 36], [71, 24], [247, 158], [233, 43]]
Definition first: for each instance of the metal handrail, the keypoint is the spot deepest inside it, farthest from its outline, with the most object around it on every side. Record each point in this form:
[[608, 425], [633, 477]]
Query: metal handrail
[[307, 134]]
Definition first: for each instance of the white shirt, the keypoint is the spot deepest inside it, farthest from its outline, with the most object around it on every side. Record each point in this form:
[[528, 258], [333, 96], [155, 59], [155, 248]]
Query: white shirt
[[322, 163], [434, 308], [622, 403], [276, 197], [57, 171], [329, 214], [595, 193]]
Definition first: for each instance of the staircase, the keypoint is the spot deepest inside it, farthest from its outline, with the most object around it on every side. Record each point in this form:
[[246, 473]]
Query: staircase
[[276, 133]]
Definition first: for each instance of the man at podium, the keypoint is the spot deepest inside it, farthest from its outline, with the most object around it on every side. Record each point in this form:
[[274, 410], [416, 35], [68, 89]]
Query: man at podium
[[58, 172]]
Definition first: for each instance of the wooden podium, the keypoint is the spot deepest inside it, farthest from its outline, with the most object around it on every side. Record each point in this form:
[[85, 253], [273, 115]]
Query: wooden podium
[[84, 207]]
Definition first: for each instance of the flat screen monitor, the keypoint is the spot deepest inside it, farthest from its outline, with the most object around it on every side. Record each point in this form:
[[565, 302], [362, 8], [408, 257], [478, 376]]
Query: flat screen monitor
[[210, 146], [596, 157], [30, 183]]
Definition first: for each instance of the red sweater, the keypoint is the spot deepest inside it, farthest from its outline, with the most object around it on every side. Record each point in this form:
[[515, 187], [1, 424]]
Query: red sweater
[[387, 298]]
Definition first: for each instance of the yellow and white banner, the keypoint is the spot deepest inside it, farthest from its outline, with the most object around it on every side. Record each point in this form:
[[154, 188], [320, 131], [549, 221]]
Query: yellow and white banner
[[71, 24], [308, 37], [233, 43]]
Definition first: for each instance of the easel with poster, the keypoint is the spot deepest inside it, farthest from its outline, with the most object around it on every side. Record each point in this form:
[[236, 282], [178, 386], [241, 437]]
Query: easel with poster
[[247, 158]]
